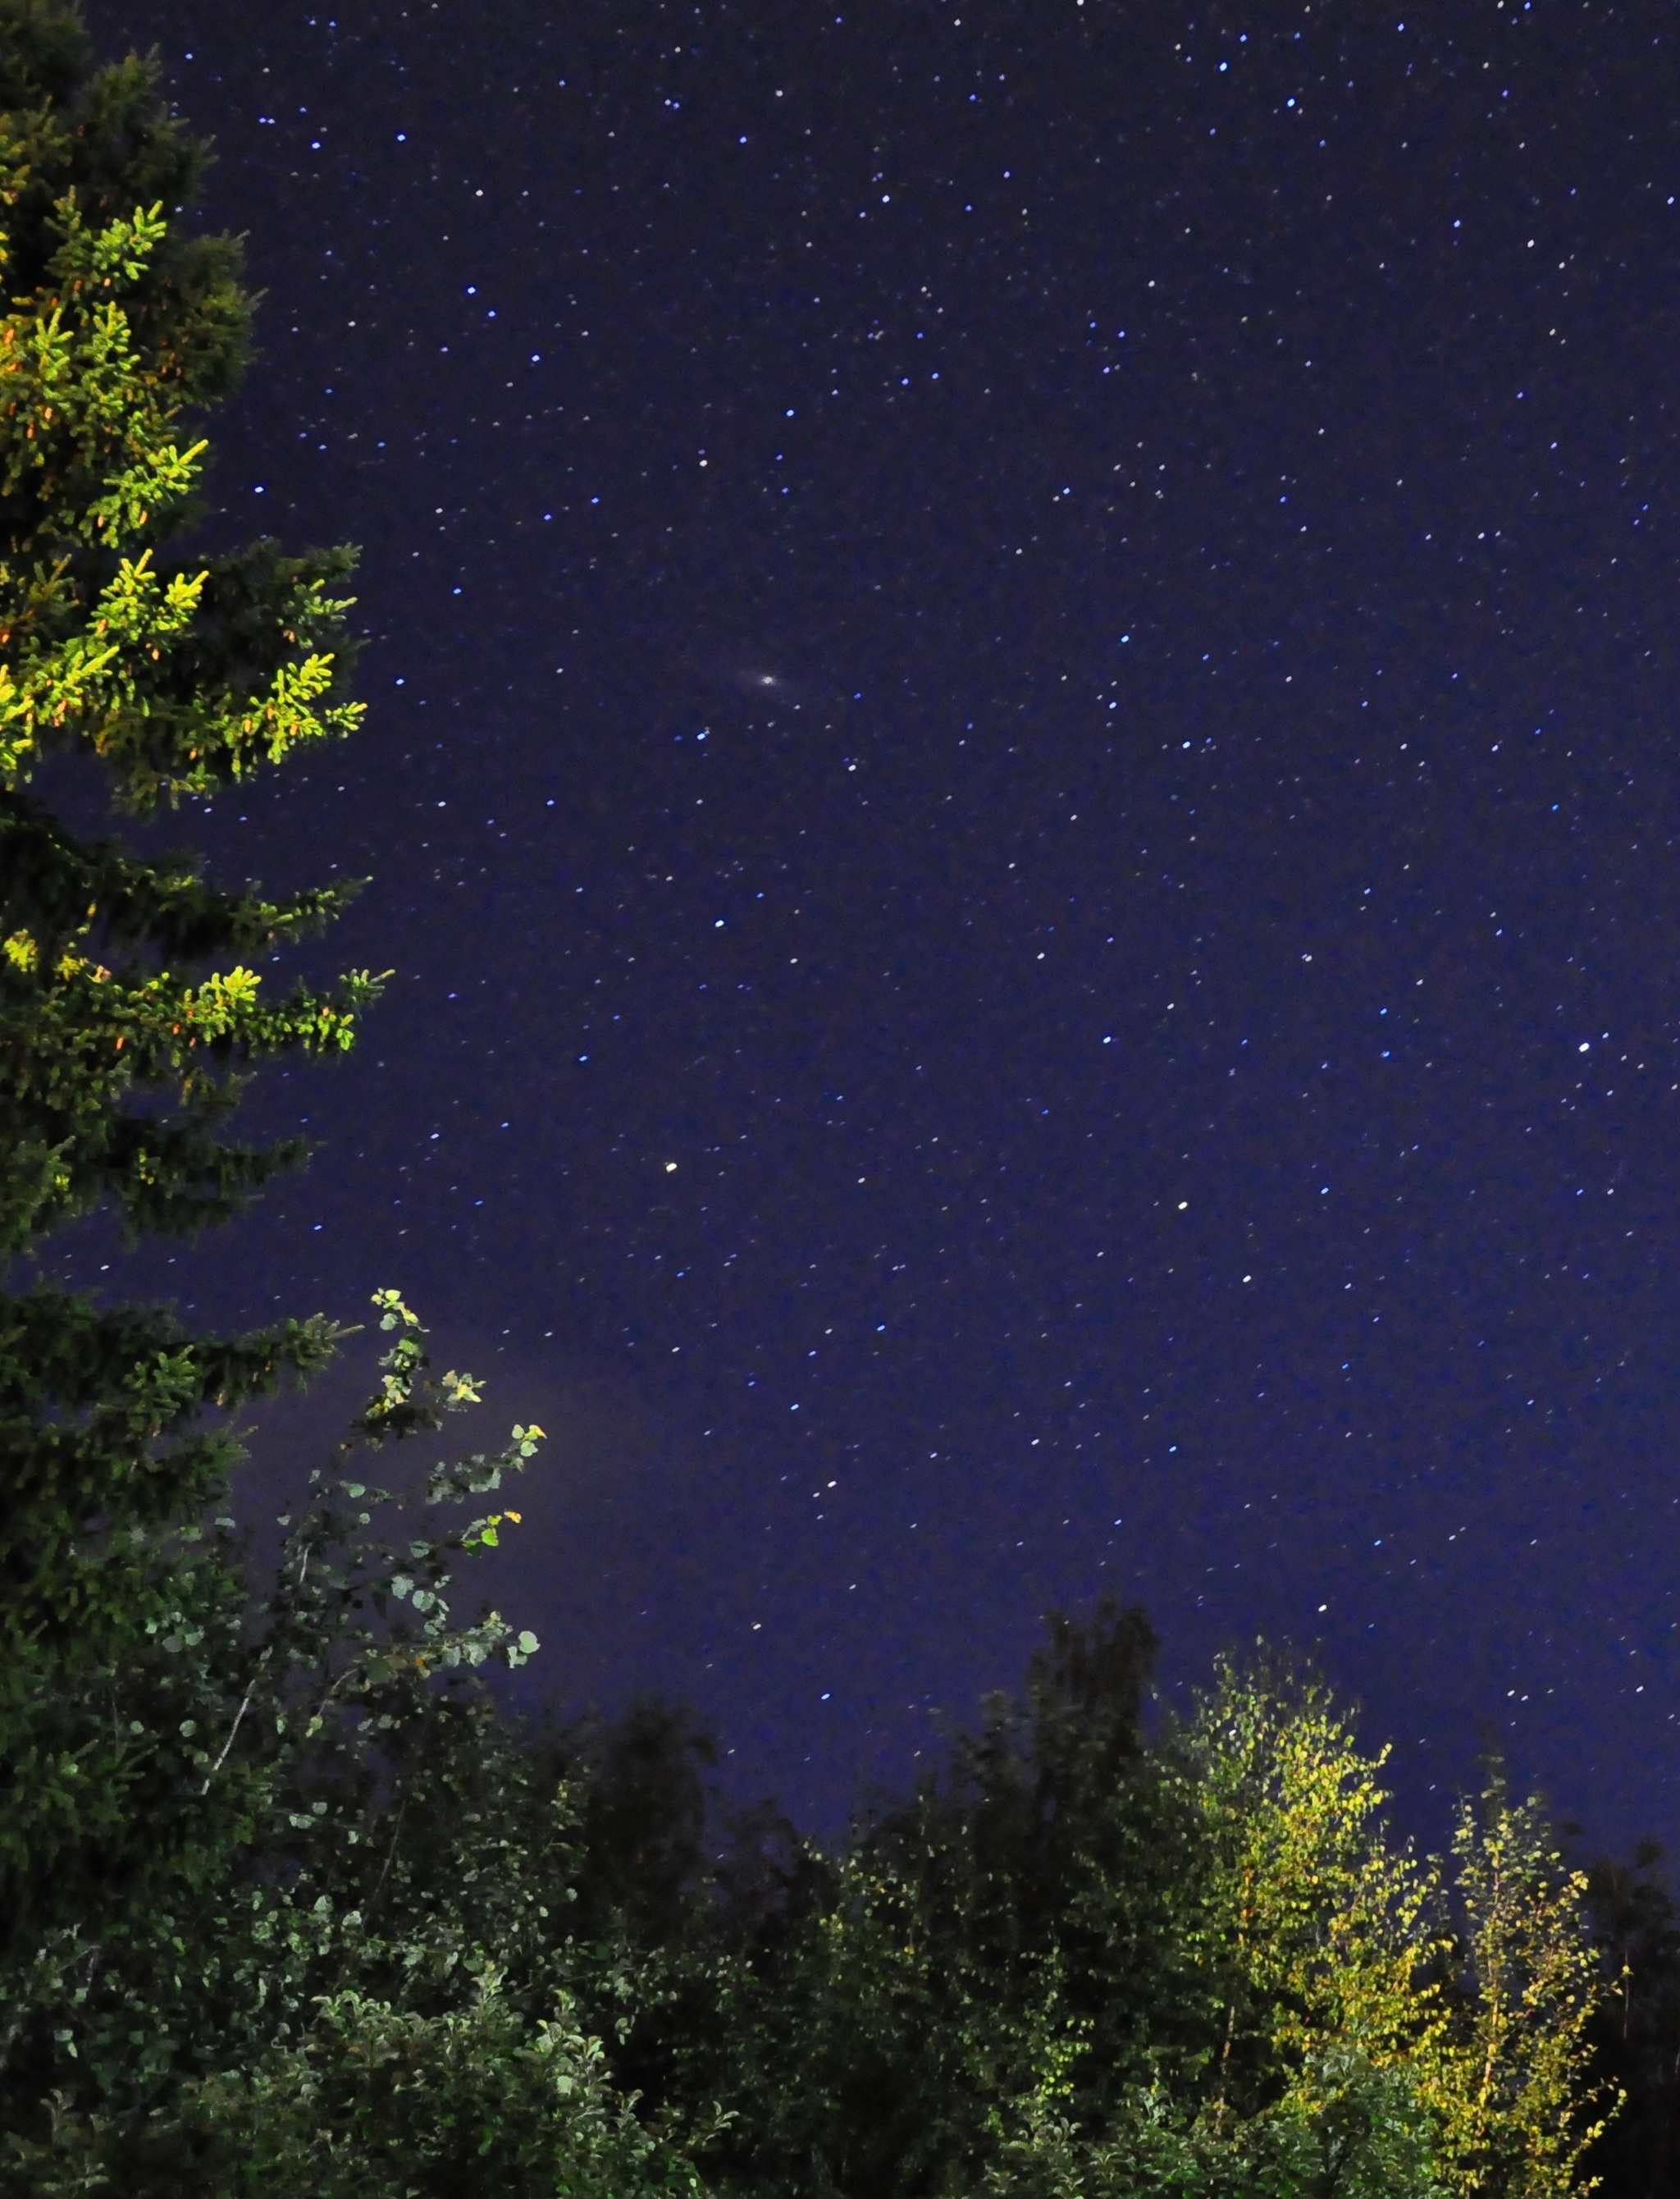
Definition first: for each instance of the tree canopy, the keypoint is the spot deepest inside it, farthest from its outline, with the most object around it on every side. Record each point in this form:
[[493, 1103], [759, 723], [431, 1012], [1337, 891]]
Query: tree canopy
[[126, 1016]]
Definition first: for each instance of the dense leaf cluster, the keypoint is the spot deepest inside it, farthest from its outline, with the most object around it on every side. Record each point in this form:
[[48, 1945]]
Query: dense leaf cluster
[[1082, 1962]]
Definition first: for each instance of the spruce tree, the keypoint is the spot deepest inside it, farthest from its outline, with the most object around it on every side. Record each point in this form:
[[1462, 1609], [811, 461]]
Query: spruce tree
[[129, 1012]]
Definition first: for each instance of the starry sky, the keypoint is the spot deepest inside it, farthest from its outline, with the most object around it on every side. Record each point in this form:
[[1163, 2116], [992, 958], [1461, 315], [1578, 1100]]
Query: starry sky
[[1021, 777]]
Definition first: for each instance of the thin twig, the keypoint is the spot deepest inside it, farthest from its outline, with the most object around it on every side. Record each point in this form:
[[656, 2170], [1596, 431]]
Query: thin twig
[[238, 1715]]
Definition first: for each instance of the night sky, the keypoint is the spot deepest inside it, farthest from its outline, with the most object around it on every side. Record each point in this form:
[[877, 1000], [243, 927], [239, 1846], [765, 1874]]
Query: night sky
[[1021, 774]]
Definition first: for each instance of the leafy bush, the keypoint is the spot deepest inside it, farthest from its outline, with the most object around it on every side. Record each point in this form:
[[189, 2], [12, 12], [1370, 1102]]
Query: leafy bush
[[380, 2103]]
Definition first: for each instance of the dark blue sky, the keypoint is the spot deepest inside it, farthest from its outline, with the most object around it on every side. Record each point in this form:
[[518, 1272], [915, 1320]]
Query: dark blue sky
[[1021, 775]]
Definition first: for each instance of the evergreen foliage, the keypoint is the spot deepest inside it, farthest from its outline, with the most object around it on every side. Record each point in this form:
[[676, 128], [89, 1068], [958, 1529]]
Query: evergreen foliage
[[181, 1765], [123, 1022]]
